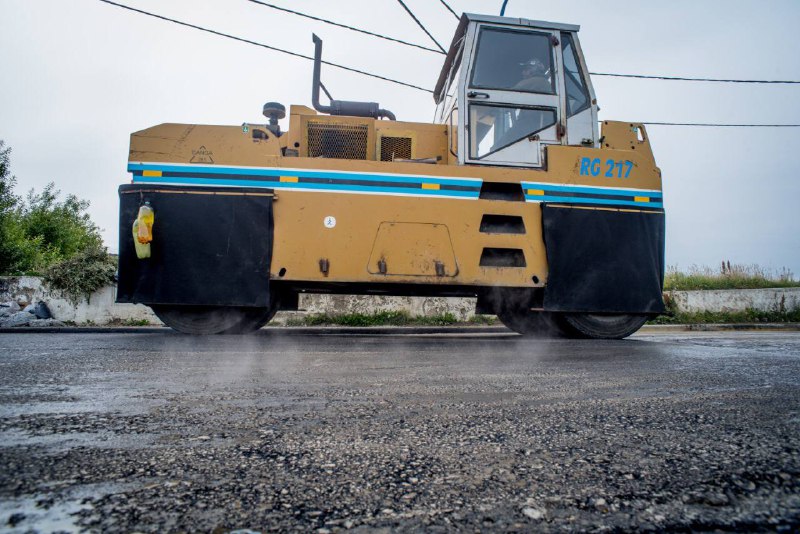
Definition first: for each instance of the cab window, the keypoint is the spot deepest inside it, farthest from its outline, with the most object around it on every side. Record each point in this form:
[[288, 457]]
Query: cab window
[[511, 60], [494, 127], [577, 95]]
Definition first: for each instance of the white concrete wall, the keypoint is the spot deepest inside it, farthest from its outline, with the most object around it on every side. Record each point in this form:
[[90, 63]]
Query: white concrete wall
[[101, 309], [461, 308], [735, 300]]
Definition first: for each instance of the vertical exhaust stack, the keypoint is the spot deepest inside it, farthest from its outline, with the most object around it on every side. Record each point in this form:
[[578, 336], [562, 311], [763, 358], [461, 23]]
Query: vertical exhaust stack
[[341, 107]]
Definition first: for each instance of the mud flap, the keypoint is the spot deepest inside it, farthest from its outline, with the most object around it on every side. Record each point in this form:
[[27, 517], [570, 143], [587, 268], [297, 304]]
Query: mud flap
[[603, 260], [211, 246]]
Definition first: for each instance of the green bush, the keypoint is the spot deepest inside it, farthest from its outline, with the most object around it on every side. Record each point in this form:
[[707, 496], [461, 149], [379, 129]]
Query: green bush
[[64, 227], [40, 230], [81, 275], [11, 236]]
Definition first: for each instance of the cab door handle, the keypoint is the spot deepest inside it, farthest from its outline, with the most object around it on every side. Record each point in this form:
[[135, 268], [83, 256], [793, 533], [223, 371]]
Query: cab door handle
[[475, 94]]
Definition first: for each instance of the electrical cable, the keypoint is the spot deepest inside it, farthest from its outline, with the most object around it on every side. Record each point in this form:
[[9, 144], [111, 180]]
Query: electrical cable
[[450, 9], [269, 47], [719, 125], [685, 79], [441, 51], [421, 26], [405, 84], [326, 21]]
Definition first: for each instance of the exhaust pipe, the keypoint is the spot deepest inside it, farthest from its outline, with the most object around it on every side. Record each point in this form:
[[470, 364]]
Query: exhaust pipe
[[341, 107]]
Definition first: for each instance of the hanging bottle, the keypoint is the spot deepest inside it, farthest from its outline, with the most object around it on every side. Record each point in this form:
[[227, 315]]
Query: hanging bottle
[[143, 230]]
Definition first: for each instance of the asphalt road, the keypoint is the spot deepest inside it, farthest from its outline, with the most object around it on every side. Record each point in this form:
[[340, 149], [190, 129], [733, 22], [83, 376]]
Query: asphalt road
[[157, 432]]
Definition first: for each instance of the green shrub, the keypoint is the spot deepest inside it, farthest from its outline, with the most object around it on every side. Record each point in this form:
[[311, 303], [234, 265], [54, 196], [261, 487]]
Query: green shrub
[[64, 226], [81, 275], [40, 230]]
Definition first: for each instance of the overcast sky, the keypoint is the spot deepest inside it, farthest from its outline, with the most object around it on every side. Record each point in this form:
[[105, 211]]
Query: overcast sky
[[78, 76]]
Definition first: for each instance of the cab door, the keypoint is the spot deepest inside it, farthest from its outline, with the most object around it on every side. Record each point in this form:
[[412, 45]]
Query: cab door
[[513, 92]]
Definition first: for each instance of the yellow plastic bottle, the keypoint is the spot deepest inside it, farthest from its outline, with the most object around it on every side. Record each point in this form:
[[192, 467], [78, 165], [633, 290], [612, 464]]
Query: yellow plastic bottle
[[146, 219], [143, 231]]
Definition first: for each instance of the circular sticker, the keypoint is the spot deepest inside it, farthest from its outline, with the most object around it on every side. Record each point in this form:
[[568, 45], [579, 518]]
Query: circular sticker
[[329, 221]]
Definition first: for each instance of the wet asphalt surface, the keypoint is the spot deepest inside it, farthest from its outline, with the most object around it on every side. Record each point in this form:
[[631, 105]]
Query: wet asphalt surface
[[154, 432]]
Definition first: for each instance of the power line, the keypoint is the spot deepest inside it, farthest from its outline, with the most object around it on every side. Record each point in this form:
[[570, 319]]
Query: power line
[[421, 26], [719, 125], [442, 51], [262, 45], [405, 84], [684, 79], [450, 9], [378, 35]]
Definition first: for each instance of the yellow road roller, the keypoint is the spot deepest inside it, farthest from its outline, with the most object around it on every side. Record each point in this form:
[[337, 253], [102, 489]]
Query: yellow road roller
[[515, 194]]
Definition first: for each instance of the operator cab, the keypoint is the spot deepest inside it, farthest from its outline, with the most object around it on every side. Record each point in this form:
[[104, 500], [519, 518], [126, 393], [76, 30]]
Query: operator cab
[[509, 87]]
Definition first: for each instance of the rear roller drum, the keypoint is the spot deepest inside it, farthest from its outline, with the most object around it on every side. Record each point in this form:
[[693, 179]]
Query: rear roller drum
[[208, 320], [532, 323], [602, 326]]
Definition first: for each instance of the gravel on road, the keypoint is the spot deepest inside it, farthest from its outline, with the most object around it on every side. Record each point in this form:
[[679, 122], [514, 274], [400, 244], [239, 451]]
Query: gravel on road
[[323, 432]]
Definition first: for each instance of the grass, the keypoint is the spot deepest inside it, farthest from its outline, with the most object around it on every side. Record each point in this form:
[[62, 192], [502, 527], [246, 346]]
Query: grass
[[126, 322], [484, 320], [385, 318], [390, 318], [728, 277], [747, 316], [447, 319], [400, 318]]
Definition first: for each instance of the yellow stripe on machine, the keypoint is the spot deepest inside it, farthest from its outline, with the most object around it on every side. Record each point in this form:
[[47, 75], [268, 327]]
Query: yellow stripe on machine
[[291, 179], [641, 199], [430, 186], [152, 174], [537, 192]]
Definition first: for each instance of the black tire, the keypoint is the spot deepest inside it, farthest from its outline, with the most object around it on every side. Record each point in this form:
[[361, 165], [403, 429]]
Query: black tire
[[254, 319], [602, 326], [209, 320], [532, 323]]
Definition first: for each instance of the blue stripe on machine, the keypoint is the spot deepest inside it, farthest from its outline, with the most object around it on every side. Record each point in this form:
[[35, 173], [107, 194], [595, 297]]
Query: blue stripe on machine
[[599, 201], [464, 182], [308, 186], [593, 190], [604, 196], [381, 183]]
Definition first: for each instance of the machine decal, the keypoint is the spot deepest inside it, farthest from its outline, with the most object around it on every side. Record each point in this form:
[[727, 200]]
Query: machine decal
[[605, 196], [608, 168], [329, 221], [307, 179], [202, 155]]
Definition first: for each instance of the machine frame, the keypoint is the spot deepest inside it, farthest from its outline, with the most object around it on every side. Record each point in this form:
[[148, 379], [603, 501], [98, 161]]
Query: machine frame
[[567, 239]]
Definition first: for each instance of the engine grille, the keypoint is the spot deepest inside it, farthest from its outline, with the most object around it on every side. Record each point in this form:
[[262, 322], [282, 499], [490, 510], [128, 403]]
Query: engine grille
[[336, 140], [395, 148]]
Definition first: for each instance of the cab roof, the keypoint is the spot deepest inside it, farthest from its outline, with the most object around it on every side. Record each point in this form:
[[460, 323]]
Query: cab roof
[[458, 37]]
